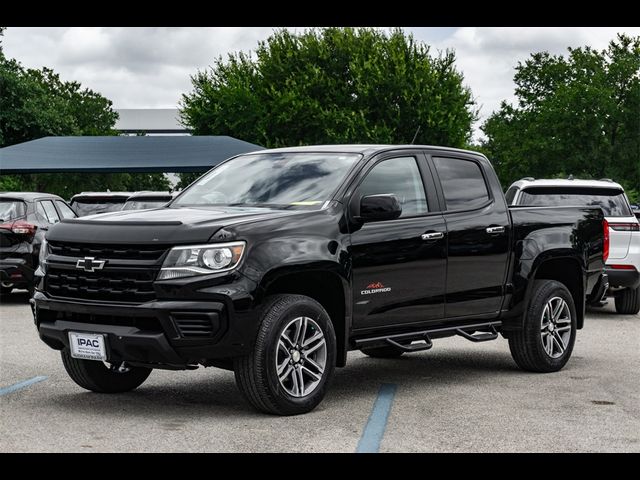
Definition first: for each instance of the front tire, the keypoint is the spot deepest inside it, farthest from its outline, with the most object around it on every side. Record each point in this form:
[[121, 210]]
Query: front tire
[[98, 377], [545, 342], [289, 370], [628, 301]]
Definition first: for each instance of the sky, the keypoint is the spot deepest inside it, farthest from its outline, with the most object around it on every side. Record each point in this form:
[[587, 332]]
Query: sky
[[149, 67]]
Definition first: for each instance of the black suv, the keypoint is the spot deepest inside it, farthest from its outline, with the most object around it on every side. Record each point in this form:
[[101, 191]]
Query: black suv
[[276, 263], [24, 217]]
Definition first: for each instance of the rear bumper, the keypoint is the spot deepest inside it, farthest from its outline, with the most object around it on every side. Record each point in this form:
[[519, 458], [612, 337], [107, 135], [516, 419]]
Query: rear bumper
[[623, 278], [16, 271], [161, 334]]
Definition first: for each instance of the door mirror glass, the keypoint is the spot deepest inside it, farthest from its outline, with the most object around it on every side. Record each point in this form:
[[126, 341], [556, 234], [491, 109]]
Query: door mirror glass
[[376, 208]]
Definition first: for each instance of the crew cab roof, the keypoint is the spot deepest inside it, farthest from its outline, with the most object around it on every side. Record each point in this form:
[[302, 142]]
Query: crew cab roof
[[364, 149]]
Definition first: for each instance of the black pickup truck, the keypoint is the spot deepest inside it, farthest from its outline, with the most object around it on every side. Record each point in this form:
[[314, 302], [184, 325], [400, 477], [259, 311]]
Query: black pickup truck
[[276, 263]]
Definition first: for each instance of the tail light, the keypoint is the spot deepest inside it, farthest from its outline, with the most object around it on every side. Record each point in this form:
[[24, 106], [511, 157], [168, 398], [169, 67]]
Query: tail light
[[625, 227], [605, 250], [20, 227]]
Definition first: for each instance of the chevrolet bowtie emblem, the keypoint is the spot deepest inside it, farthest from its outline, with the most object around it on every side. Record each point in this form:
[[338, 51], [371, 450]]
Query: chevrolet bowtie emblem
[[90, 264]]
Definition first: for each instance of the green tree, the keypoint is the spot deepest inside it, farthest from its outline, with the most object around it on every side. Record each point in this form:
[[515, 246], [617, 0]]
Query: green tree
[[333, 85], [35, 103], [577, 114]]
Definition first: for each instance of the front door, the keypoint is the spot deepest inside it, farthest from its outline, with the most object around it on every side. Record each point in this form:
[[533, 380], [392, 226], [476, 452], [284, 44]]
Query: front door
[[399, 266]]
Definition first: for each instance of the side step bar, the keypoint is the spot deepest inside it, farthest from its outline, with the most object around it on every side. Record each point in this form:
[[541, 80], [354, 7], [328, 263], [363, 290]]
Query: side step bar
[[478, 332]]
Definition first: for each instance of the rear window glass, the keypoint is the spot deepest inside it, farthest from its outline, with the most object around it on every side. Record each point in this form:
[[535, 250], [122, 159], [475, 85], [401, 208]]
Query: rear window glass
[[91, 207], [612, 201], [11, 210]]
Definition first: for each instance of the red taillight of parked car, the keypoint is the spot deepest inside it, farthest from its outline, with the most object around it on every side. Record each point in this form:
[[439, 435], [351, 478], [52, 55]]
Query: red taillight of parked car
[[605, 250], [20, 227], [622, 267]]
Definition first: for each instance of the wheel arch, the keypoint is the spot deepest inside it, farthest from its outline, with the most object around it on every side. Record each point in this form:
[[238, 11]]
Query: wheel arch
[[568, 271], [325, 285]]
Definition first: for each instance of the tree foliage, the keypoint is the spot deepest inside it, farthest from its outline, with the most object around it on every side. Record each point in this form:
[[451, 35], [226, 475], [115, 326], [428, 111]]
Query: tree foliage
[[577, 114], [333, 85], [35, 103]]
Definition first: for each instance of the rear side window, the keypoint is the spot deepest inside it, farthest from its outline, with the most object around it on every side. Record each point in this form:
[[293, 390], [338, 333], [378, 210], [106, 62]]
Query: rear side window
[[64, 210], [50, 211], [12, 210], [611, 200], [462, 183]]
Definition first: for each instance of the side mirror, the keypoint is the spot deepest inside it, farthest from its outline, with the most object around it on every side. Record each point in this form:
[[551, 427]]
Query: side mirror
[[376, 208]]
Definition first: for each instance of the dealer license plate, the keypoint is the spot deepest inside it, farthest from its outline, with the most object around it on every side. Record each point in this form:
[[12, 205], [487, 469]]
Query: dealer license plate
[[88, 346]]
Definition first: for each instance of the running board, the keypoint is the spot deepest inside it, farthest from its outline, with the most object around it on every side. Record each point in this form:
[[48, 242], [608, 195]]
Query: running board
[[405, 341]]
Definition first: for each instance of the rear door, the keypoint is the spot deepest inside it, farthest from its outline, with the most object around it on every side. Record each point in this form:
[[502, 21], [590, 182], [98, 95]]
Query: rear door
[[398, 272], [478, 235]]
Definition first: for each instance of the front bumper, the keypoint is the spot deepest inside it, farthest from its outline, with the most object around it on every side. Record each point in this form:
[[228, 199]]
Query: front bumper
[[623, 278], [170, 334], [16, 271]]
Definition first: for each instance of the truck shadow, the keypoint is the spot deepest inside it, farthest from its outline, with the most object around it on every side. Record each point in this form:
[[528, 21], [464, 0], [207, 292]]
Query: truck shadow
[[214, 395]]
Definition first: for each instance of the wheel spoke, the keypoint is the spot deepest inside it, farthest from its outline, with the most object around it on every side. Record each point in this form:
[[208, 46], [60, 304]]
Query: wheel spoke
[[296, 386], [558, 309], [283, 365], [318, 344], [313, 375], [301, 328], [563, 329], [312, 339], [311, 362], [288, 342], [287, 372], [558, 339], [298, 373], [548, 344]]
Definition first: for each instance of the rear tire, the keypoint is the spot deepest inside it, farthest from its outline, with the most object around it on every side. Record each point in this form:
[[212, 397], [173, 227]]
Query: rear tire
[[296, 345], [388, 351], [540, 348], [97, 377], [628, 301]]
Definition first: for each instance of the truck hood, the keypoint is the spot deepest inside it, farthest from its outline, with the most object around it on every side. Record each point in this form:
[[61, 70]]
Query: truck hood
[[161, 225]]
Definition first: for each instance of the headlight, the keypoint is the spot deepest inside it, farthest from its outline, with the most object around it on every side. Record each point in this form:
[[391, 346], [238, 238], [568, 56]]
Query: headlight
[[201, 260], [42, 256]]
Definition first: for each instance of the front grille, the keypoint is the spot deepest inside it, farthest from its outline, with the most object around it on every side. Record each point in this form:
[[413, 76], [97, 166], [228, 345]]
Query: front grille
[[124, 252], [142, 323], [127, 285], [196, 324]]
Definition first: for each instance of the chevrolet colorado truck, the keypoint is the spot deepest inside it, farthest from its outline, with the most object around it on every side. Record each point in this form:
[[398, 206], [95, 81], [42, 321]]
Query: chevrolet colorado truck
[[277, 263]]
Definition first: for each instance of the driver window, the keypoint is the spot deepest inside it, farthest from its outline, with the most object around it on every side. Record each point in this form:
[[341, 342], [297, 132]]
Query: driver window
[[400, 177]]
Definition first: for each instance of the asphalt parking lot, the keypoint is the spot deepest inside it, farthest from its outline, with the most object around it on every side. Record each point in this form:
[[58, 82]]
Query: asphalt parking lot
[[457, 397]]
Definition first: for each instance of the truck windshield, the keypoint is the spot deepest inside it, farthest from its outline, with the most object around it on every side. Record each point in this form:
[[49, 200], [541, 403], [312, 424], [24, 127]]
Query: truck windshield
[[611, 200], [280, 180]]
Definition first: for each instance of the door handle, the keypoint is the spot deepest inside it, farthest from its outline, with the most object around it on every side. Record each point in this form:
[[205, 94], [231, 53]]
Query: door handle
[[432, 236], [495, 230]]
